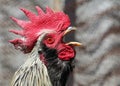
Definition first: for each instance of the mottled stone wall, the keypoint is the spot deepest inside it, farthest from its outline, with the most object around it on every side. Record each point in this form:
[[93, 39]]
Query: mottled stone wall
[[98, 63]]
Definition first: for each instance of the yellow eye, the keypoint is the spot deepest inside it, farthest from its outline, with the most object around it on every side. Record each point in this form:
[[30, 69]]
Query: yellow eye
[[50, 40]]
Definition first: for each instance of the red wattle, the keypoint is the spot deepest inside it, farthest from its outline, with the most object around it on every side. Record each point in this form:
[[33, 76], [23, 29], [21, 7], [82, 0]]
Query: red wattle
[[66, 53]]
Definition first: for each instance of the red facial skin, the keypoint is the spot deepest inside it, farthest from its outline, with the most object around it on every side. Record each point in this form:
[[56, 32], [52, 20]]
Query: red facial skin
[[55, 41]]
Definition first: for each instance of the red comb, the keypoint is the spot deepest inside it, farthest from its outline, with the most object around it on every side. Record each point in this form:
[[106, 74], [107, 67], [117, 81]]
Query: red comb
[[32, 28]]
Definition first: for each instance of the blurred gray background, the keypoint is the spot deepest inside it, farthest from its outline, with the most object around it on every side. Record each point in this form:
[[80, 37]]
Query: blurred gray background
[[98, 23]]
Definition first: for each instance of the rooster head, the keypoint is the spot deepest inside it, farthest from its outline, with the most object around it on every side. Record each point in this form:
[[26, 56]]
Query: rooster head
[[55, 25]]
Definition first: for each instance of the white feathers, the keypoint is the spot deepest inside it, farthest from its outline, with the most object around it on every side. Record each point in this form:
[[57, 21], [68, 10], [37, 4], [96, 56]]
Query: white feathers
[[33, 72]]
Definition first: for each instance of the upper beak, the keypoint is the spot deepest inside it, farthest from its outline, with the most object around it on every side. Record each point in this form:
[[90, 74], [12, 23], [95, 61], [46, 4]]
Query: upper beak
[[69, 29], [72, 43]]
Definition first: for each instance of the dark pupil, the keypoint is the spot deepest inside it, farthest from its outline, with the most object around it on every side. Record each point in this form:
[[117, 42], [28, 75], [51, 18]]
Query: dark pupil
[[50, 40]]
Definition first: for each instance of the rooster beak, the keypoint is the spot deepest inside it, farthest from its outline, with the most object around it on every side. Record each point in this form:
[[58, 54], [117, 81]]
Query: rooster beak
[[72, 43], [69, 29]]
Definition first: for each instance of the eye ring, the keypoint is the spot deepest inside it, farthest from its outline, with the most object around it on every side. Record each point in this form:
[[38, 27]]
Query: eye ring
[[50, 40]]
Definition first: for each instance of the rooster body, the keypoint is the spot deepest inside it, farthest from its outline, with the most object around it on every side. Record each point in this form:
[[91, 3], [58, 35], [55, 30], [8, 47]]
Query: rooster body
[[50, 59]]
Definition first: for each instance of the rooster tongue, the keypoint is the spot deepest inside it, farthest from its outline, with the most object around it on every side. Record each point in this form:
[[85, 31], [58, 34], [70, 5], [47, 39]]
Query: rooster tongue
[[72, 43]]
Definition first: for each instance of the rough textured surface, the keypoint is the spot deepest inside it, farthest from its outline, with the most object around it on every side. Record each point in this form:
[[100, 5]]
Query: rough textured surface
[[98, 63], [98, 22]]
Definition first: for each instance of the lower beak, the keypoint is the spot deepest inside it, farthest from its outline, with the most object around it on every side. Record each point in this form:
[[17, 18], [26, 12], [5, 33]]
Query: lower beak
[[72, 43]]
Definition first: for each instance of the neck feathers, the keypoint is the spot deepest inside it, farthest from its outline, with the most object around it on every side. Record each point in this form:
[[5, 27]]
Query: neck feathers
[[32, 73], [58, 70]]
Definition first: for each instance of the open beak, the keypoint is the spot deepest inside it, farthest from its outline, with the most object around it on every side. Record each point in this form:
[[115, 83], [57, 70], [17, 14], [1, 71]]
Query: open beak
[[72, 43]]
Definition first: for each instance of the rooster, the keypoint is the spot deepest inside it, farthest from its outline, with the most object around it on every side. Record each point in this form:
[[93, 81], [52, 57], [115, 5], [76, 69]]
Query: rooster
[[50, 59]]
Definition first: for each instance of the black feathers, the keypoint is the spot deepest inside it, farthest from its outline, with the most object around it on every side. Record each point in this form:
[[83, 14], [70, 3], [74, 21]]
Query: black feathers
[[58, 70]]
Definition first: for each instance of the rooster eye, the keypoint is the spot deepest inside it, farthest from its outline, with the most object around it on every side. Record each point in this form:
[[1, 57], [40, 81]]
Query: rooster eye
[[50, 40]]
